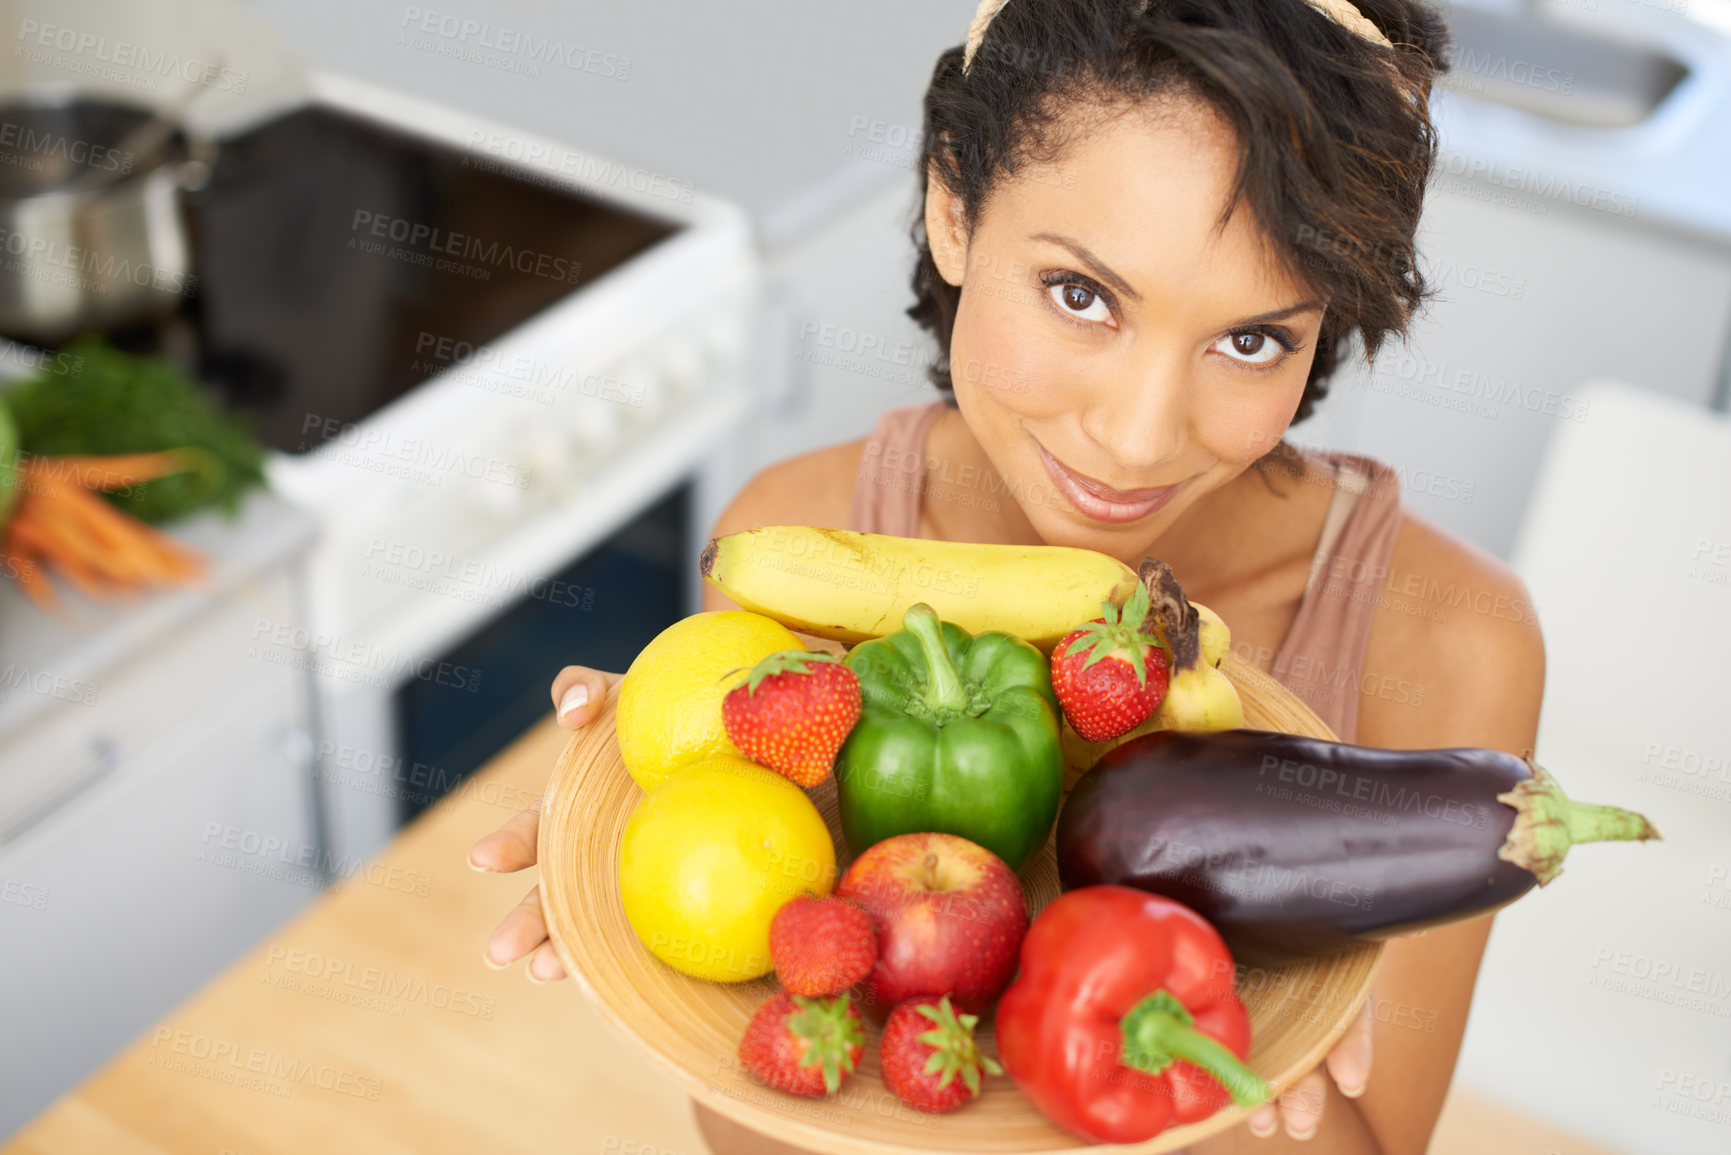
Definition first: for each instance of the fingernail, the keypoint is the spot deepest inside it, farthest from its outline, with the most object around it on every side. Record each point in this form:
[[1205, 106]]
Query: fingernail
[[533, 977], [476, 866], [576, 696], [487, 958], [1353, 1091], [1301, 1136], [1264, 1131]]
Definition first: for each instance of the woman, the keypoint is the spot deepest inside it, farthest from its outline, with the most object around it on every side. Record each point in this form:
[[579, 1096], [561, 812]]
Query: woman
[[1150, 228]]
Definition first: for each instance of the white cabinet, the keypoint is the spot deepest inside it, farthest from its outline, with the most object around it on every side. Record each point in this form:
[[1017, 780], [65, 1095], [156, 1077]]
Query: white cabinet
[[131, 896], [154, 823], [1531, 305]]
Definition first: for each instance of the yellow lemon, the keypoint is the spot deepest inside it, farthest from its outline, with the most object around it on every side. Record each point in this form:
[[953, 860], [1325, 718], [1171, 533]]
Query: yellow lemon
[[710, 855], [670, 699]]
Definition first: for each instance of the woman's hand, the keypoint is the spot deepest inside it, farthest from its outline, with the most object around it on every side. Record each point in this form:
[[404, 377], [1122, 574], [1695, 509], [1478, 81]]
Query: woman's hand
[[579, 695], [1300, 1107]]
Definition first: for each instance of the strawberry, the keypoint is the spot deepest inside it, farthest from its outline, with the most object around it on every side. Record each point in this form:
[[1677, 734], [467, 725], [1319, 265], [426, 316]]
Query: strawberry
[[821, 946], [803, 1046], [926, 1045], [1108, 675], [793, 713]]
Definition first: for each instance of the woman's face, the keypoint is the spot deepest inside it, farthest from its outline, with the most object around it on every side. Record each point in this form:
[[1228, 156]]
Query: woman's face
[[1115, 355]]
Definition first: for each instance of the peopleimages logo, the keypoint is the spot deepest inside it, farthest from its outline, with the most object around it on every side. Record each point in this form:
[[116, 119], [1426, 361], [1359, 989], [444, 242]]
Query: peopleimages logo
[[87, 268], [510, 43], [100, 50], [1549, 185], [465, 245], [28, 147]]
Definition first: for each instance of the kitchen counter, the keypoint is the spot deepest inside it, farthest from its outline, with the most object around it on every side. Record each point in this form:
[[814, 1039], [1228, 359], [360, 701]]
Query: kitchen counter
[[370, 1023], [84, 639]]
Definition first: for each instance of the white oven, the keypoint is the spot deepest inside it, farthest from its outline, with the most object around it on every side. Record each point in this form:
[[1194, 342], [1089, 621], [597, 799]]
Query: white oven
[[468, 493]]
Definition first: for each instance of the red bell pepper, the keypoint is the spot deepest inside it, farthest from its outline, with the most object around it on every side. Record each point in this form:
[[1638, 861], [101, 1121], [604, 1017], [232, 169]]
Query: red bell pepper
[[1123, 1020]]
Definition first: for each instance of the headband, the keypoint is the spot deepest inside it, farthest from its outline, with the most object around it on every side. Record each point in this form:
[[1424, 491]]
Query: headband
[[1342, 12]]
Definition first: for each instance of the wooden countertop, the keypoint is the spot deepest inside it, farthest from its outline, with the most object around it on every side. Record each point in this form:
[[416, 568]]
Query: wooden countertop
[[370, 1024]]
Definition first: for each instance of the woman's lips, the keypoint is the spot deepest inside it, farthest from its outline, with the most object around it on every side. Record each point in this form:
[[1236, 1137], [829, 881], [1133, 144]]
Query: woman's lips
[[1100, 501]]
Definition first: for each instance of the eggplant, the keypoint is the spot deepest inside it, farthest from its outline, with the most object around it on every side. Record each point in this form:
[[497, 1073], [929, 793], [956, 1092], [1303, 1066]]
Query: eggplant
[[1296, 847]]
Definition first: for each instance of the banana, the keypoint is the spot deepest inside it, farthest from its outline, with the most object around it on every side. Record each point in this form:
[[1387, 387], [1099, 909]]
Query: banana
[[851, 586], [1212, 633], [1202, 699], [1207, 700], [1198, 696]]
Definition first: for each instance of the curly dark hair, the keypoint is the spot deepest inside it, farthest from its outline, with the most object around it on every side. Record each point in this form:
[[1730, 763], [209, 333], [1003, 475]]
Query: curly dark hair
[[1335, 139]]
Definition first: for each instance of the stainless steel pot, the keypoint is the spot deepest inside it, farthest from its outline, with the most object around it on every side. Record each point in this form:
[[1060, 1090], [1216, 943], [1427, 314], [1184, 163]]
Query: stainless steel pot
[[91, 236]]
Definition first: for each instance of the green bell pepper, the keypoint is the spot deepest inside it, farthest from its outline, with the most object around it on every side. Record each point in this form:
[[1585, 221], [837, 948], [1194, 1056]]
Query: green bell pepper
[[956, 734]]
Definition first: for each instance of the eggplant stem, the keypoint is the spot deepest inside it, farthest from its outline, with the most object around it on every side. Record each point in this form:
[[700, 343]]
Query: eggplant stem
[[1548, 822], [1589, 823], [944, 689], [1158, 1031]]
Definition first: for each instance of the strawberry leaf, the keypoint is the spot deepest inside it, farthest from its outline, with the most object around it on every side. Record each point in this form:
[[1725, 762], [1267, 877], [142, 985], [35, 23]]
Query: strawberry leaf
[[954, 1049], [1118, 634], [830, 1033], [785, 662]]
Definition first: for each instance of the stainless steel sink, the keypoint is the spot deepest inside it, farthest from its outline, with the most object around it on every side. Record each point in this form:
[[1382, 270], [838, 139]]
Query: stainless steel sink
[[1534, 64]]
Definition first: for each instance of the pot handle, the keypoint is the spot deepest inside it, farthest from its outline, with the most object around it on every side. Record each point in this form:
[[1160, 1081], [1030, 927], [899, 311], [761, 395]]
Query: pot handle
[[201, 157]]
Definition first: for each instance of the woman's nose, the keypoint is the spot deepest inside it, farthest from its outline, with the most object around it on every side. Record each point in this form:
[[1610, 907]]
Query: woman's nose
[[1140, 417]]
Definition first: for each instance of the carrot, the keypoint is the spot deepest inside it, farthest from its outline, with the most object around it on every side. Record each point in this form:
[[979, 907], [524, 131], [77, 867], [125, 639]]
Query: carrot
[[76, 558], [70, 565], [126, 541], [27, 571], [111, 472], [68, 536], [155, 551], [59, 521], [97, 508], [88, 584]]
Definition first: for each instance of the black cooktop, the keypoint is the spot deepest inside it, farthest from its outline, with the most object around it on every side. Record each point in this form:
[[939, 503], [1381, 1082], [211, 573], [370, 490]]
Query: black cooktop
[[341, 263]]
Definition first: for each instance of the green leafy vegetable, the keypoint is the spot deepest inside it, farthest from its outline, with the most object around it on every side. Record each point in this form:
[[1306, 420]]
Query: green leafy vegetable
[[121, 403], [8, 462]]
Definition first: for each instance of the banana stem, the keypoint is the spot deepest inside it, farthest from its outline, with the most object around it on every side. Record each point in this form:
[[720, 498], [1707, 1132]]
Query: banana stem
[[1170, 614], [944, 689]]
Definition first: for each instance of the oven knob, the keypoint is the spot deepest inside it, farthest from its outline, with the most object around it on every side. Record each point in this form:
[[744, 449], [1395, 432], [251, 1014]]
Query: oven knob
[[683, 367], [724, 336], [594, 421], [541, 456], [500, 500]]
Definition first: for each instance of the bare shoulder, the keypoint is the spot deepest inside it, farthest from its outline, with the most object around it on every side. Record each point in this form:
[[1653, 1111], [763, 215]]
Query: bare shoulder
[[1458, 625], [814, 488]]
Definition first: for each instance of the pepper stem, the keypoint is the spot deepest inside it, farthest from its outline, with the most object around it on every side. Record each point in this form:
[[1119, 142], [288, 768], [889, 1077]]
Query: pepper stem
[[944, 689], [1158, 1031], [1548, 822]]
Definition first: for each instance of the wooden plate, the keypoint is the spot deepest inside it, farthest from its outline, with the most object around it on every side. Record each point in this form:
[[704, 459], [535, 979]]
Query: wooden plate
[[692, 1028]]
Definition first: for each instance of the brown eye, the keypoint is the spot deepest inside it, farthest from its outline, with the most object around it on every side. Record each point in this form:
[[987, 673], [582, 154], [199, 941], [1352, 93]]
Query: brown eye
[[1079, 301], [1249, 347]]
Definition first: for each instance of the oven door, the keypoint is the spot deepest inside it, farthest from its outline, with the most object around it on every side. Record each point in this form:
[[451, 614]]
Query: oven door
[[598, 611], [406, 725]]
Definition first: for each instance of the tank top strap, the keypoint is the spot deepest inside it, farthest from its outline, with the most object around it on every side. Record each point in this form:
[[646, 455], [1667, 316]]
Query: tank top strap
[[892, 471], [1322, 657]]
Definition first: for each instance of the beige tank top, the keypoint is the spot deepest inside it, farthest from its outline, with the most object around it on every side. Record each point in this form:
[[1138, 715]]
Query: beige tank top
[[1322, 657]]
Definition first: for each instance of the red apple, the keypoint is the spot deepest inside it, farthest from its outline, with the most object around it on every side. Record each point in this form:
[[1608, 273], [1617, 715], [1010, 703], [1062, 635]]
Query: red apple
[[949, 917]]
